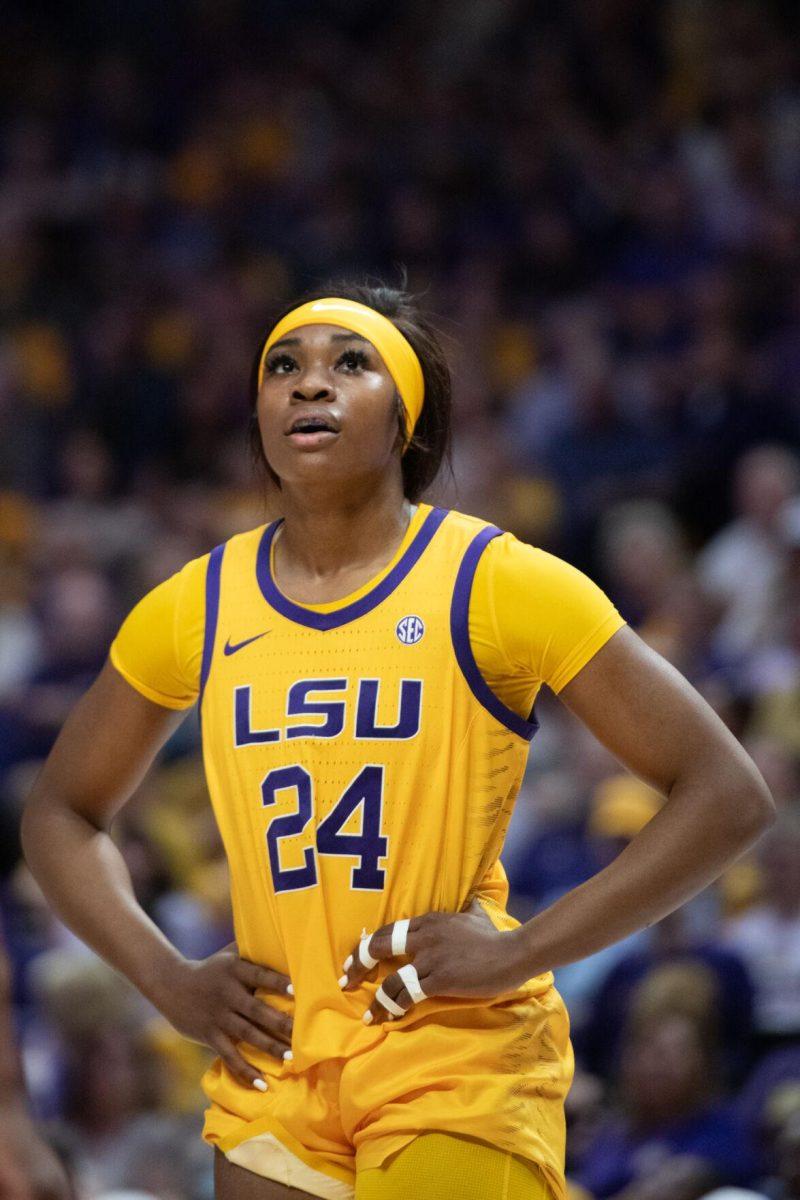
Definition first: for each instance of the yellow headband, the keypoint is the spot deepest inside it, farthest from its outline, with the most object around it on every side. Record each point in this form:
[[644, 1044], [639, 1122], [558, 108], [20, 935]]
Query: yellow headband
[[395, 350]]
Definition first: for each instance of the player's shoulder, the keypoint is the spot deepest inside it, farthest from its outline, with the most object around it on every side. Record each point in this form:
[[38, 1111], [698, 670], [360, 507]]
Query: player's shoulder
[[188, 583], [501, 546], [465, 526], [241, 545], [508, 563], [503, 560], [243, 539]]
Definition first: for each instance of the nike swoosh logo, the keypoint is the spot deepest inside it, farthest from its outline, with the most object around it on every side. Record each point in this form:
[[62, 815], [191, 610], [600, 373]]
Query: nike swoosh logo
[[231, 648]]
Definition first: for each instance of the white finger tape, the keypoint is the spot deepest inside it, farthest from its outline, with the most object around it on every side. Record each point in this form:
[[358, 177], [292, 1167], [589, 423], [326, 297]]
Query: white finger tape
[[410, 978], [389, 1004], [400, 937], [364, 955]]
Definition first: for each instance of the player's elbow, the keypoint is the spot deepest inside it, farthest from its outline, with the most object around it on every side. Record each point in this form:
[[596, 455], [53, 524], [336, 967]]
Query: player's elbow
[[44, 815], [749, 806]]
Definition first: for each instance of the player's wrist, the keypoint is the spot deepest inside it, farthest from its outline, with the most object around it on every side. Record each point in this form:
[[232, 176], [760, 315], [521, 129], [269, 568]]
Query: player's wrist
[[525, 954], [163, 976]]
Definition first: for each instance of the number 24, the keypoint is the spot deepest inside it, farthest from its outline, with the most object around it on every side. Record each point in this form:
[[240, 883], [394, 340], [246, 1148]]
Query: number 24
[[365, 792]]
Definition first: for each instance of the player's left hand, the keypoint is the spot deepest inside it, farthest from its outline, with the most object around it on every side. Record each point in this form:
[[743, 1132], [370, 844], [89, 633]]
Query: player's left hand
[[449, 954]]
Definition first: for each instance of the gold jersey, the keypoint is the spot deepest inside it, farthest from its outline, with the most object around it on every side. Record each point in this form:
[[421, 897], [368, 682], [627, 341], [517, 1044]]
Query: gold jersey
[[360, 768]]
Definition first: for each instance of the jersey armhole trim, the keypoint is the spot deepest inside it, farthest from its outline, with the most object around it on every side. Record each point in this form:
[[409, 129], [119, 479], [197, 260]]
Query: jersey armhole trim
[[459, 632], [213, 572]]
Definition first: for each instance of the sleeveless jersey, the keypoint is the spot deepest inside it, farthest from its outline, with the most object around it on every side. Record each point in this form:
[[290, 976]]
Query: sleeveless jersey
[[360, 768]]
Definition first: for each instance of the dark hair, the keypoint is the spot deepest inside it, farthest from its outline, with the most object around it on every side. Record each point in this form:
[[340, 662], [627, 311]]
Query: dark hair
[[430, 444]]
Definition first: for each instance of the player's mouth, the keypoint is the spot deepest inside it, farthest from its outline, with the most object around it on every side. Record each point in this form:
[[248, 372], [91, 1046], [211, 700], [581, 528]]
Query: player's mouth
[[313, 430]]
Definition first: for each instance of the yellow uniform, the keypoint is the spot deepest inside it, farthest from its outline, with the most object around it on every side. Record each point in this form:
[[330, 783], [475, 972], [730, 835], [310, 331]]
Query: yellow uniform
[[363, 759]]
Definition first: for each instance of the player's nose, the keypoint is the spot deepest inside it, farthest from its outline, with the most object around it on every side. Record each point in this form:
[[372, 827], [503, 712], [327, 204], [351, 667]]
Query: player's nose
[[315, 381], [312, 389]]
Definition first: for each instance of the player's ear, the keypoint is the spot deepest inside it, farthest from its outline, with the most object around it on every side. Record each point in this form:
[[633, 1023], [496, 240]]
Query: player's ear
[[400, 412]]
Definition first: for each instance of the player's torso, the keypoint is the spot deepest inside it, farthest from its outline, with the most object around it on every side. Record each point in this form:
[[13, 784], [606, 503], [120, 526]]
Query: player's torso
[[355, 773]]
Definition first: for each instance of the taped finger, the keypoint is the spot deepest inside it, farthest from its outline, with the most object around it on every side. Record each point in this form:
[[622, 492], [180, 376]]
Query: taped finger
[[391, 1006], [400, 937], [409, 976], [364, 956]]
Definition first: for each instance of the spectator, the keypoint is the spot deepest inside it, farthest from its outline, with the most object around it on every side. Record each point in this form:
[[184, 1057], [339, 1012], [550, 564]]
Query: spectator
[[742, 565], [768, 936], [671, 1135], [673, 941], [787, 1184], [643, 557]]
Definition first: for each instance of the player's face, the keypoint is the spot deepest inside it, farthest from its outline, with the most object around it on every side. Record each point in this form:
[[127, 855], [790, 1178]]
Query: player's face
[[327, 409]]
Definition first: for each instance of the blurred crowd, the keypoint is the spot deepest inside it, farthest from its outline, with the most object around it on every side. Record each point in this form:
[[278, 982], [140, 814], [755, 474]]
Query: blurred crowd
[[600, 202]]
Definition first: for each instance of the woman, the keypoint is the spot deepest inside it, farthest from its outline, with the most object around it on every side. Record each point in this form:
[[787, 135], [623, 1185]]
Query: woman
[[671, 1133], [365, 669]]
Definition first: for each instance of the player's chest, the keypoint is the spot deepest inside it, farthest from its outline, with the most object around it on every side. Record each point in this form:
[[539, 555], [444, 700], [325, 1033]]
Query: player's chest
[[380, 679]]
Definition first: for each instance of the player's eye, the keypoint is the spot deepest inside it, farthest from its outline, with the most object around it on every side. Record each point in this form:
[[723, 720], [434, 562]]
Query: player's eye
[[280, 364], [353, 360]]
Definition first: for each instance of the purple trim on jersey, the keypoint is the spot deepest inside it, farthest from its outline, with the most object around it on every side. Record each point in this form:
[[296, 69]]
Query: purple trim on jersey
[[359, 608], [459, 631], [212, 612]]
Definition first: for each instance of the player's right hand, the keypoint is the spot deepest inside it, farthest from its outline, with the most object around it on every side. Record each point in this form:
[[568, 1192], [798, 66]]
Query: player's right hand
[[213, 1001]]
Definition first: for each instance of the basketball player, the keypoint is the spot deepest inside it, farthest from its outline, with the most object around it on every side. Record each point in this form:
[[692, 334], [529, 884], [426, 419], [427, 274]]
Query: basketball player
[[366, 669]]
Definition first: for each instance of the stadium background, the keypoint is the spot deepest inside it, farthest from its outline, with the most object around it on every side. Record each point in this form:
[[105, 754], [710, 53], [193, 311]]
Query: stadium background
[[601, 203]]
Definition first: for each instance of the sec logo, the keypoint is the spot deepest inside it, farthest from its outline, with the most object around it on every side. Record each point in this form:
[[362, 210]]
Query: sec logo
[[410, 630]]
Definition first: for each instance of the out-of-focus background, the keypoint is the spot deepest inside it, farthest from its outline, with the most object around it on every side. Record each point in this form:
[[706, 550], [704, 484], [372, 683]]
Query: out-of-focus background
[[600, 200]]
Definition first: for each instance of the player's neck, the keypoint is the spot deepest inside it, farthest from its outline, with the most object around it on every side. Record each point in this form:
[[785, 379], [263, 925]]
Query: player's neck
[[325, 536]]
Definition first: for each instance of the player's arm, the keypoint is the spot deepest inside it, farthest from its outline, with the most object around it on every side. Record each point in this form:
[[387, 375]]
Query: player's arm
[[107, 744], [717, 803], [659, 727], [716, 806]]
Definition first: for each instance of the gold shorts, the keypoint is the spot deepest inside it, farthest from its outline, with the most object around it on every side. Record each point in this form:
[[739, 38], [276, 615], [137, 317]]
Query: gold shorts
[[497, 1074]]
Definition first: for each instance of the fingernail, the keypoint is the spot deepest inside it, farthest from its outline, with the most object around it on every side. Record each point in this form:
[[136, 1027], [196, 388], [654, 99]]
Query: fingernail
[[367, 1017], [261, 1085], [348, 962], [289, 989], [342, 981], [287, 1056]]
